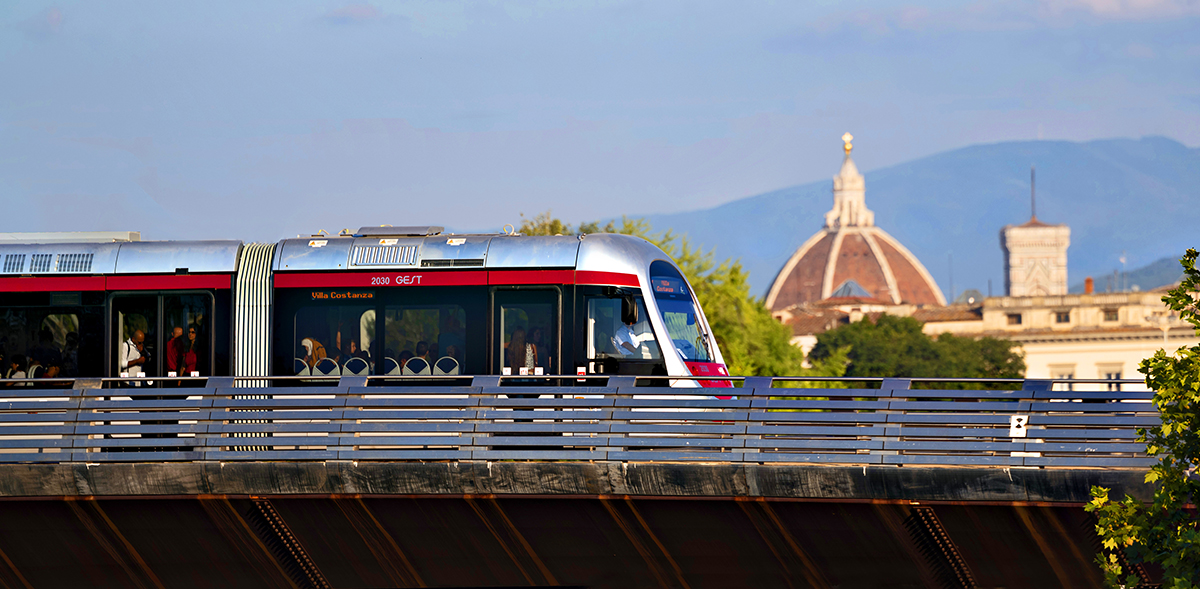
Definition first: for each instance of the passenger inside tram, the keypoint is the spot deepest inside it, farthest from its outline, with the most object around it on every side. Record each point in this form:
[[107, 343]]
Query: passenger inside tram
[[71, 355], [188, 350], [133, 354], [45, 352], [16, 367], [522, 356], [313, 351], [173, 351], [355, 352]]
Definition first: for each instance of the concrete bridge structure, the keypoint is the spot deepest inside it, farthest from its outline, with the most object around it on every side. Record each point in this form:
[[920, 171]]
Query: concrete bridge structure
[[478, 482]]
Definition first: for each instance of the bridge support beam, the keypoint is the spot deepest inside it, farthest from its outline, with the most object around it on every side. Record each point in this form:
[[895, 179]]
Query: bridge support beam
[[788, 481]]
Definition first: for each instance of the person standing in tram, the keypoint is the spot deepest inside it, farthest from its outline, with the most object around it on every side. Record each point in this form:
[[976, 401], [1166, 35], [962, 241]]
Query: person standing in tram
[[133, 355], [173, 353], [535, 340], [187, 349], [521, 354]]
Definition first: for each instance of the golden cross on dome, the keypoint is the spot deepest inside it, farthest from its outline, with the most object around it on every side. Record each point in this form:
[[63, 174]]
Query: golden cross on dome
[[847, 138]]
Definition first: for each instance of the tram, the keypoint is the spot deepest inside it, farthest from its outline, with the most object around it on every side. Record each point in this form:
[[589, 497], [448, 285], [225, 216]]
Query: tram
[[385, 301]]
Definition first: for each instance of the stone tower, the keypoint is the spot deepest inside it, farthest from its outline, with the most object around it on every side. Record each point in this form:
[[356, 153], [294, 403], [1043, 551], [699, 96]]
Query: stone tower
[[1035, 256]]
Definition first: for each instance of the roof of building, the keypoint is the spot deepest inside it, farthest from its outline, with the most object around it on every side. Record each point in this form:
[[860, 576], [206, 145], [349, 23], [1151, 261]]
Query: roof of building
[[951, 313]]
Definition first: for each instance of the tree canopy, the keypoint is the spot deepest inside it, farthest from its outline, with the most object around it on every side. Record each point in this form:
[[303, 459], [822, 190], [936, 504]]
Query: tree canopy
[[895, 346], [751, 340], [1164, 532]]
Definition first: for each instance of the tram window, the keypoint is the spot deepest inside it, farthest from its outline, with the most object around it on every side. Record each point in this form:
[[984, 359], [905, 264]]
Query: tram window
[[432, 333], [338, 334], [47, 341], [186, 332], [528, 342], [674, 299], [604, 323]]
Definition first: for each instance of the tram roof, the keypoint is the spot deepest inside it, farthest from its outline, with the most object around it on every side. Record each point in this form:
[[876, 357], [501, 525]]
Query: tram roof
[[50, 257], [373, 248], [461, 251]]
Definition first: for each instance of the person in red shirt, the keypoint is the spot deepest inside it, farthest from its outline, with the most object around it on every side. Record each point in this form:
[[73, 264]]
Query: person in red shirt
[[173, 351]]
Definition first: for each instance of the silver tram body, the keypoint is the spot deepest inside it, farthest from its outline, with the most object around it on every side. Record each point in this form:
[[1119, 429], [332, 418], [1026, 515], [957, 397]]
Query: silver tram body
[[66, 296]]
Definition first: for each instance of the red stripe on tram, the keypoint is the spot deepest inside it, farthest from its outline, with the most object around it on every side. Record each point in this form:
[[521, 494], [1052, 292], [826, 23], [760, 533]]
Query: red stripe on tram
[[531, 277], [606, 278], [378, 279], [170, 282], [51, 283], [449, 278]]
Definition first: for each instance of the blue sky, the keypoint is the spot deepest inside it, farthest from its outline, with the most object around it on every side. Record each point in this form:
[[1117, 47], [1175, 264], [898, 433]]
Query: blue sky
[[263, 120]]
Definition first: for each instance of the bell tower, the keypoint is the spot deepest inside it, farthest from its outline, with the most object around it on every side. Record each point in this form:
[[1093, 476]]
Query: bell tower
[[1035, 254]]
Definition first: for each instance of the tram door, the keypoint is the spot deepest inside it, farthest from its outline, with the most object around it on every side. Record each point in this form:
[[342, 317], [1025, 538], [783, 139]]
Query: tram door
[[526, 329], [153, 321]]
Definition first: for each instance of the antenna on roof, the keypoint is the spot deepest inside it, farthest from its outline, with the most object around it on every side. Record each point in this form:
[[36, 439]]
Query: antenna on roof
[[1032, 192]]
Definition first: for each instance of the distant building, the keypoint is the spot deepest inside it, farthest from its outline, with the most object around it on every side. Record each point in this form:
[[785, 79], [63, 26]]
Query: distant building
[[1035, 255], [1090, 335], [852, 258]]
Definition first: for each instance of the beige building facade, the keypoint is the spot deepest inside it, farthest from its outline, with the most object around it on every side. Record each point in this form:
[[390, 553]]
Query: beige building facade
[[1094, 335]]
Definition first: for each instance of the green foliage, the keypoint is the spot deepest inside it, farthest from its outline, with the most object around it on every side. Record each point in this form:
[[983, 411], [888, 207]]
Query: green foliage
[[547, 224], [1163, 532], [751, 340], [897, 347]]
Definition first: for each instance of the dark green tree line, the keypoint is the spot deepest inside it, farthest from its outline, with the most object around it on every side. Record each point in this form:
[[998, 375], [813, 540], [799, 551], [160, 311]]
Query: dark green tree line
[[894, 346]]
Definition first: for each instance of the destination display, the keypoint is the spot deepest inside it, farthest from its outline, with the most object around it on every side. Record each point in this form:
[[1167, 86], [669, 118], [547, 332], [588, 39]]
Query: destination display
[[668, 286], [343, 295]]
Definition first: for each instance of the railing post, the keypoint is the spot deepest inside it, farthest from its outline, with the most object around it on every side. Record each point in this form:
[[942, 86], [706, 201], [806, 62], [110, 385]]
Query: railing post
[[892, 384], [80, 390]]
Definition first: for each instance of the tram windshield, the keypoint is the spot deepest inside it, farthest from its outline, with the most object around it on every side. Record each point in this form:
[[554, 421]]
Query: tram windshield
[[674, 299]]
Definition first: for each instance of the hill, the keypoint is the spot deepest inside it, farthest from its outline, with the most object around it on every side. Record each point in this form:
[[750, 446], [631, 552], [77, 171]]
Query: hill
[[1158, 273], [1117, 195]]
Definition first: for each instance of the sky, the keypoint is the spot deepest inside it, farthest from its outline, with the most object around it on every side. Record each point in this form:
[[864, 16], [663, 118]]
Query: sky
[[264, 120]]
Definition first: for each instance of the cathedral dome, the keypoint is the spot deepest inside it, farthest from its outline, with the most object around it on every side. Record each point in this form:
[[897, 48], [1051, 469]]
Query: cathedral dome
[[851, 255]]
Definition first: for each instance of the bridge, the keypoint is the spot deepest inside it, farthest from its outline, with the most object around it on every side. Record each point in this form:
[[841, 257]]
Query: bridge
[[610, 482]]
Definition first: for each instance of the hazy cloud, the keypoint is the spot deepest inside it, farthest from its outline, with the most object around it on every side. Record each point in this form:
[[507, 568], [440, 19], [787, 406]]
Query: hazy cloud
[[355, 13], [1127, 9], [43, 24]]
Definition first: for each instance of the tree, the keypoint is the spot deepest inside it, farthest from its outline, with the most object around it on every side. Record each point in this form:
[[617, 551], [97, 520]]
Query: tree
[[897, 347], [1164, 532], [751, 340]]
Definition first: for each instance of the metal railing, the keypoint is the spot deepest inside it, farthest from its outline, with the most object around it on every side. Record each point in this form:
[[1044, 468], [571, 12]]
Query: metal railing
[[599, 419]]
